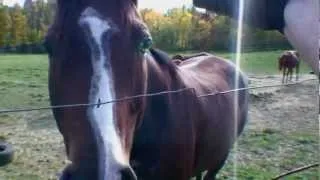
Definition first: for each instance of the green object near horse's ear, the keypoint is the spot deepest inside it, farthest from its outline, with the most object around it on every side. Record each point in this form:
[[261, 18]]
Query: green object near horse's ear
[[145, 44]]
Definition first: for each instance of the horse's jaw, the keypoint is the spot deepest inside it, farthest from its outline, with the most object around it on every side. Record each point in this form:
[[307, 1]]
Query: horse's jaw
[[302, 29]]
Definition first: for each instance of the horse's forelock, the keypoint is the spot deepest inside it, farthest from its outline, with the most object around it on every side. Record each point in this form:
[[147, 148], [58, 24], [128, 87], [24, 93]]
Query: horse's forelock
[[123, 13]]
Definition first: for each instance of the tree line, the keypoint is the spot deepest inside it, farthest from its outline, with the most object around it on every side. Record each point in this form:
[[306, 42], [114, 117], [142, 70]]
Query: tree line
[[22, 29], [189, 29]]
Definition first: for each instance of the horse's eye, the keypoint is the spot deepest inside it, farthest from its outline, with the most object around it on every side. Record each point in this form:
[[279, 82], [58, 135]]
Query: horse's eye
[[145, 44], [142, 37]]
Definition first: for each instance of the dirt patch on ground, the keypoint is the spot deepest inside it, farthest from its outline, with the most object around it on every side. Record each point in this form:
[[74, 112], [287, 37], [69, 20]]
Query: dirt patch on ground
[[282, 133], [287, 108]]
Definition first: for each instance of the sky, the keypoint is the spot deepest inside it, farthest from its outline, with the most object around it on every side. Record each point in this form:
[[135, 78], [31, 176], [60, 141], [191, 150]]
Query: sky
[[160, 6]]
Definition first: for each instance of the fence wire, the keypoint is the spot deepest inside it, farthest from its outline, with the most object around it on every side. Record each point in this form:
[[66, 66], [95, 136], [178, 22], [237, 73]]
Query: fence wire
[[16, 110], [296, 171]]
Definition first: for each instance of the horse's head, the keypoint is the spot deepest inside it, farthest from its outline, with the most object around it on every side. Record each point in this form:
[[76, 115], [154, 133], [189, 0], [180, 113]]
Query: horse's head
[[96, 51]]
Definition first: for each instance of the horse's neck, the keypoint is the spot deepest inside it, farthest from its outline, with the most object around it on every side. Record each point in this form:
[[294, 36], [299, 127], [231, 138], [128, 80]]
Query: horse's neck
[[159, 78], [162, 77]]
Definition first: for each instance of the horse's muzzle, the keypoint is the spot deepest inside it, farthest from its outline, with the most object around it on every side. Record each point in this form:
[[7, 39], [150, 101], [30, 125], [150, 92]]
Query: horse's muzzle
[[70, 173], [126, 173]]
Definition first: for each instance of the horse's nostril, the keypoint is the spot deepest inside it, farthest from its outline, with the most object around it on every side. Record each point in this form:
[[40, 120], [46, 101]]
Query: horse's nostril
[[127, 173]]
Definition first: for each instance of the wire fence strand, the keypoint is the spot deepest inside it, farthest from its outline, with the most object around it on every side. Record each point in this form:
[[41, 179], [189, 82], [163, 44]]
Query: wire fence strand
[[296, 171], [16, 110], [92, 104]]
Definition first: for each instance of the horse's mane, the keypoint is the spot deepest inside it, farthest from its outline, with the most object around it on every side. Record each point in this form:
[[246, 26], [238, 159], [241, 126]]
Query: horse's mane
[[162, 58]]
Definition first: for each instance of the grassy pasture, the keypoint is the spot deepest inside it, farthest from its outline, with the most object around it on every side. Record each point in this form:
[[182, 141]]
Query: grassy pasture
[[263, 151], [23, 78]]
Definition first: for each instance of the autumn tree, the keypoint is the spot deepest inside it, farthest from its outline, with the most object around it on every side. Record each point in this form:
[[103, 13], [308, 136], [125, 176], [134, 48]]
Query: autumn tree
[[4, 25], [201, 30], [18, 33], [181, 19]]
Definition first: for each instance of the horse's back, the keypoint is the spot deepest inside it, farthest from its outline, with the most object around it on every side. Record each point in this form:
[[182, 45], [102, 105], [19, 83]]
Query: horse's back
[[212, 71], [225, 76], [213, 75]]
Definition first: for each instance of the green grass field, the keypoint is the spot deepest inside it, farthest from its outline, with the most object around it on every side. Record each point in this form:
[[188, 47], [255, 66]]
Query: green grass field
[[23, 78], [23, 83]]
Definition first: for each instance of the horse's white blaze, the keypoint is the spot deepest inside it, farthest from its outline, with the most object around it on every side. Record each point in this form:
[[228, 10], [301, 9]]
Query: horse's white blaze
[[302, 24], [102, 90]]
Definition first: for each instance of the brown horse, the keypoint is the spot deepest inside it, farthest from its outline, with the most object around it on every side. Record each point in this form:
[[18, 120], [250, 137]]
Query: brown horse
[[98, 51], [287, 62]]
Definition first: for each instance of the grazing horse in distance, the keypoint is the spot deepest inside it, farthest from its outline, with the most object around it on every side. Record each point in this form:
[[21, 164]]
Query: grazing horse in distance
[[298, 20], [100, 51], [287, 62]]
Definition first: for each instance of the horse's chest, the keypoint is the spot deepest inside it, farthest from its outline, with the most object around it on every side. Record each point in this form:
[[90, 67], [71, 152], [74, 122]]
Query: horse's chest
[[148, 138]]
